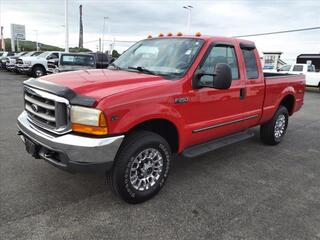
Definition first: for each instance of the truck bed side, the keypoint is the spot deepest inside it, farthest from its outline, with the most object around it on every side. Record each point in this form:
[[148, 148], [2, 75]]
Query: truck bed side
[[282, 89]]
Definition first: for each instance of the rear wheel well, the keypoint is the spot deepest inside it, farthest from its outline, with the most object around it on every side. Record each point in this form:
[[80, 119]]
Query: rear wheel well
[[164, 128], [288, 102]]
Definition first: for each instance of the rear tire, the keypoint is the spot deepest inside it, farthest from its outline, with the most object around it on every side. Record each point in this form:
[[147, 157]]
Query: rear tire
[[272, 132], [141, 167]]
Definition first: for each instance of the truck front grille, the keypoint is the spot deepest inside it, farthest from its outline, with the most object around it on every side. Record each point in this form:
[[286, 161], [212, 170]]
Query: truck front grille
[[19, 61], [46, 110]]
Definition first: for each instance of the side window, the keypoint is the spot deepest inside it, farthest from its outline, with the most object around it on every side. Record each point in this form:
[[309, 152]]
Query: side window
[[219, 54], [250, 63], [311, 68], [297, 68], [53, 56]]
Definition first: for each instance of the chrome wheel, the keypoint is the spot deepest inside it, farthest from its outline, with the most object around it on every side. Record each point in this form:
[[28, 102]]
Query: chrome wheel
[[280, 126], [146, 169], [39, 73]]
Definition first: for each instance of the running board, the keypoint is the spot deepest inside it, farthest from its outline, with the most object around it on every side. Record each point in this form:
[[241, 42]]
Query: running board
[[203, 148]]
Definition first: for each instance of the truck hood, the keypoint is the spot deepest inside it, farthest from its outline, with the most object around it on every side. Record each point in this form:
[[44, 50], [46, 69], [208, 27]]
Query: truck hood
[[100, 83], [30, 58]]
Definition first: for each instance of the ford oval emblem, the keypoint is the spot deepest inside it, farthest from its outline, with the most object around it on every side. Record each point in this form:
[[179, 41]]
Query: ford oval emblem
[[34, 107]]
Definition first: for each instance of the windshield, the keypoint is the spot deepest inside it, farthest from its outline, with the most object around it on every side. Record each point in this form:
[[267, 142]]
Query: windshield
[[77, 60], [28, 54], [43, 55], [285, 68], [36, 54], [167, 56]]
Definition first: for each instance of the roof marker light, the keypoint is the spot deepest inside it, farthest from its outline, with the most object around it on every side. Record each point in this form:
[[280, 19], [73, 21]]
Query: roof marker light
[[149, 36], [160, 35], [179, 34], [170, 34], [198, 34]]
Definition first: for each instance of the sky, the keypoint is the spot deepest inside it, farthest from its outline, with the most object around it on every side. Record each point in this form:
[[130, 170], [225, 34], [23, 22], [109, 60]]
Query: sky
[[136, 19]]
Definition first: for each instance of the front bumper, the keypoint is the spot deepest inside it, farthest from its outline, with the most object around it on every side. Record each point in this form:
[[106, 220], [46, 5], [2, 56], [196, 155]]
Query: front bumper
[[23, 68], [10, 67], [71, 152]]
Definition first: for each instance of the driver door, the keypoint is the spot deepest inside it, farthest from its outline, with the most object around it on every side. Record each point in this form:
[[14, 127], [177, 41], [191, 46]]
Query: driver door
[[217, 112]]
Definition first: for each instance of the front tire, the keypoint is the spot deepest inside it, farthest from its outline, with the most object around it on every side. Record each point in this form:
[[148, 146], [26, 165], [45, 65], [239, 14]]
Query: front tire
[[141, 166], [273, 131], [38, 71]]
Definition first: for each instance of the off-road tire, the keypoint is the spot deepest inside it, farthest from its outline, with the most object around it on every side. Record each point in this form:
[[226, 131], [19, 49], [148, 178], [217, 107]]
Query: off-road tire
[[268, 130], [135, 144]]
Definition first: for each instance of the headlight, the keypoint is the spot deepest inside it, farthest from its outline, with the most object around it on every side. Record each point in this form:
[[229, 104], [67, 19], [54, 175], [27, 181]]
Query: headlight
[[88, 120], [27, 63]]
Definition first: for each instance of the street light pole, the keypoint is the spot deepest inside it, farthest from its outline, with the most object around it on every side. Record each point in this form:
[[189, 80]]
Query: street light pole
[[104, 25], [37, 44], [66, 27], [188, 8]]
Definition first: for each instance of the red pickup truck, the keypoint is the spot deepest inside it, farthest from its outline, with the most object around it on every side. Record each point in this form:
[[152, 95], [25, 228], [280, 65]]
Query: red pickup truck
[[164, 96]]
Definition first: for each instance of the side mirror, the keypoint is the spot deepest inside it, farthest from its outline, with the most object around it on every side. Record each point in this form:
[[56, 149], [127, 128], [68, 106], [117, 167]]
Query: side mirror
[[221, 78]]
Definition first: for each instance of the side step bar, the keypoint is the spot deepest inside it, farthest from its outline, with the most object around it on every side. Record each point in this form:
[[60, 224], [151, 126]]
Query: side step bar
[[203, 148]]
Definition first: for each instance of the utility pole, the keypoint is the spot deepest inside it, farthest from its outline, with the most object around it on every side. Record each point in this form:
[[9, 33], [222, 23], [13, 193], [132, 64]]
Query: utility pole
[[81, 29], [18, 47], [188, 8], [1, 28], [66, 49], [108, 27]]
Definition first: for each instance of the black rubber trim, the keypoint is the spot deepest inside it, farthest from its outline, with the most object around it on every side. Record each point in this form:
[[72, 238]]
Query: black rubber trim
[[248, 46], [62, 91]]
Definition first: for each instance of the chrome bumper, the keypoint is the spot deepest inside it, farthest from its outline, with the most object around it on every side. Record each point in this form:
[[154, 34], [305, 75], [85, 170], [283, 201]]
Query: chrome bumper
[[23, 68], [71, 152]]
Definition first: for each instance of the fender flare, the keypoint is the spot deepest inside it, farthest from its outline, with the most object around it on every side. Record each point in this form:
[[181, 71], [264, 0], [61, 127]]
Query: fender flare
[[151, 112]]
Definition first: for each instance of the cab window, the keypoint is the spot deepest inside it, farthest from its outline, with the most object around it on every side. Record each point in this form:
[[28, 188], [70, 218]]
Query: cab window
[[218, 54], [297, 68], [311, 68], [53, 56], [250, 62]]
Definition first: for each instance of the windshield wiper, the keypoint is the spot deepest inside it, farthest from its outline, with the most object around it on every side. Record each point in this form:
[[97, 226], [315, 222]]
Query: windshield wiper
[[115, 66], [142, 69]]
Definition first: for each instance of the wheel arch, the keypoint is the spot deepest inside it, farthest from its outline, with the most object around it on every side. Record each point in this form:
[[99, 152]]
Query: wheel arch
[[288, 101], [164, 127], [38, 65]]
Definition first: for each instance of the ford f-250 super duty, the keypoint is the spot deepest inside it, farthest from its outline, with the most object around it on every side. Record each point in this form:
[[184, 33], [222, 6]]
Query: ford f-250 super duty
[[164, 96]]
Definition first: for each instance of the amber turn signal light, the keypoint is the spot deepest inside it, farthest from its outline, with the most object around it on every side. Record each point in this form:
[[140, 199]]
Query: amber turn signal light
[[89, 129]]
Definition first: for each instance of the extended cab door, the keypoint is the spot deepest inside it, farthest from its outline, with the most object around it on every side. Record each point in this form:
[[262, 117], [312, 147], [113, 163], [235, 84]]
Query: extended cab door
[[254, 91], [214, 112]]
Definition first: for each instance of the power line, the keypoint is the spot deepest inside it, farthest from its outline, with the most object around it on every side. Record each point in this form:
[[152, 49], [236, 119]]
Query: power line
[[279, 32]]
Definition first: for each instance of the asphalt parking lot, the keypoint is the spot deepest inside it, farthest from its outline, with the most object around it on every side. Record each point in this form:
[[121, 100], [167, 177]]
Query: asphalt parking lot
[[243, 191]]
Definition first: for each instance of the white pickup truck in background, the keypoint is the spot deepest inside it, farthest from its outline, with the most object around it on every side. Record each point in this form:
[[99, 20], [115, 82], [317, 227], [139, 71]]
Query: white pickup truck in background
[[11, 61], [312, 77], [36, 66]]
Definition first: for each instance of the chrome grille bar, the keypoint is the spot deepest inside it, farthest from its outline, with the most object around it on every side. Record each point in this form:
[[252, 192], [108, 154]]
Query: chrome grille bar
[[47, 111], [39, 103], [41, 115]]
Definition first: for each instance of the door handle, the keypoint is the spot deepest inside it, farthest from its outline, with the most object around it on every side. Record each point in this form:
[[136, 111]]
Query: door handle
[[242, 93]]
